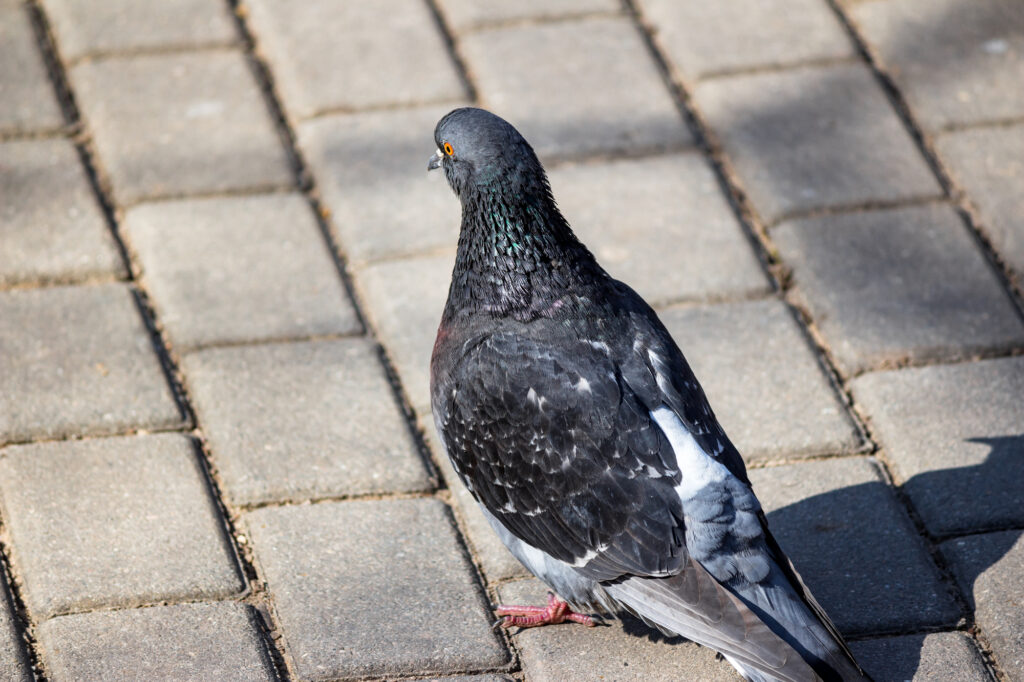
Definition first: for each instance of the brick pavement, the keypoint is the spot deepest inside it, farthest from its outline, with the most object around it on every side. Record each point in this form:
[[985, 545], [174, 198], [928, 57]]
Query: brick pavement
[[222, 264]]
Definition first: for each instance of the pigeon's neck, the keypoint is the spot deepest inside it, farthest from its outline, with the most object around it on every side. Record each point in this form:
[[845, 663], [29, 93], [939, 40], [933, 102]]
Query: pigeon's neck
[[517, 256]]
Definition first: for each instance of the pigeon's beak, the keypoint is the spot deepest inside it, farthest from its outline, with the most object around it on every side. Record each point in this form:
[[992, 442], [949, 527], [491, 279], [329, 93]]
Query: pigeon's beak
[[435, 160]]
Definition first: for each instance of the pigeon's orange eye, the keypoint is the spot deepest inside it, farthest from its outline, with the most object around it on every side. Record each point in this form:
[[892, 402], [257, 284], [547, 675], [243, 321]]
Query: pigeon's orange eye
[[448, 148]]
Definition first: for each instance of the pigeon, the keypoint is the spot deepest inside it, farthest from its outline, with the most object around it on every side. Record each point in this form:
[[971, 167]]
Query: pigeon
[[575, 422]]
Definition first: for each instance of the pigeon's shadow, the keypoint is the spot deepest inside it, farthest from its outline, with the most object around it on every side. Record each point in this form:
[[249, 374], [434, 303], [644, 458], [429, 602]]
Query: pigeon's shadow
[[870, 568]]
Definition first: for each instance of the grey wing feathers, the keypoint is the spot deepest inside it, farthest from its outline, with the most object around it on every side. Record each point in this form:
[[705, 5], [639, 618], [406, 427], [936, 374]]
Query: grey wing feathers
[[696, 606]]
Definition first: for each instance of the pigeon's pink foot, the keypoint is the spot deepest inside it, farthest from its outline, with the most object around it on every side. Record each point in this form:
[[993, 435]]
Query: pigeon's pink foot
[[557, 611]]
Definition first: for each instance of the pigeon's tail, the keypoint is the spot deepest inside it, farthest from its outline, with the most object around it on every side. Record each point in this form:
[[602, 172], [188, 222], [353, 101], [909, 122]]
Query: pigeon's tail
[[696, 606]]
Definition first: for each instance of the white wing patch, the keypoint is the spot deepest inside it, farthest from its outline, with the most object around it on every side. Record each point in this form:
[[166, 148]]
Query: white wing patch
[[699, 469], [586, 558]]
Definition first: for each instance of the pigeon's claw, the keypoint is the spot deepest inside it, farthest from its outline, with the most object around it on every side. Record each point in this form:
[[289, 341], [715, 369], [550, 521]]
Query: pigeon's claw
[[557, 611]]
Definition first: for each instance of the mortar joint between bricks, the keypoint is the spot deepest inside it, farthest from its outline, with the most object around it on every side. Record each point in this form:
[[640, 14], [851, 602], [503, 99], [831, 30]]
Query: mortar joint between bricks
[[23, 626], [570, 16], [450, 41], [63, 131], [150, 51]]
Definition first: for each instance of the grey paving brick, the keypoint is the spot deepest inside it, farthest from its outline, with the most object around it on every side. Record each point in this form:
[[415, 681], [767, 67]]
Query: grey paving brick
[[328, 55], [494, 559], [372, 172], [78, 361], [812, 137], [703, 38], [188, 641], [404, 300], [467, 14], [621, 652], [878, 285], [27, 99], [988, 570], [921, 658], [373, 588], [854, 546], [607, 98], [113, 522], [13, 665], [228, 270], [177, 124], [302, 420], [661, 225], [762, 378], [52, 227], [84, 27], [953, 435], [957, 61], [987, 163]]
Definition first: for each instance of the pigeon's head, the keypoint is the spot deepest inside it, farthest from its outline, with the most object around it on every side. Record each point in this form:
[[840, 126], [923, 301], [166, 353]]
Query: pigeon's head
[[480, 151]]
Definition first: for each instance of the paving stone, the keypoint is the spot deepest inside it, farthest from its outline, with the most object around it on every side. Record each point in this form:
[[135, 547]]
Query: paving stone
[[989, 164], [84, 27], [576, 88], [878, 286], [956, 61], [762, 379], [328, 55], [13, 665], [813, 137], [674, 238], [229, 270], [78, 361], [354, 584], [302, 420], [920, 658], [953, 436], [854, 546], [188, 641], [372, 172], [27, 99], [175, 124], [622, 652], [404, 300], [704, 38], [113, 522], [990, 571], [467, 14], [494, 559], [52, 226]]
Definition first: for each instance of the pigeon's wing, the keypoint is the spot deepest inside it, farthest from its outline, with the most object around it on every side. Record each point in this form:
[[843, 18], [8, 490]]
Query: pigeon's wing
[[551, 441], [659, 375]]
